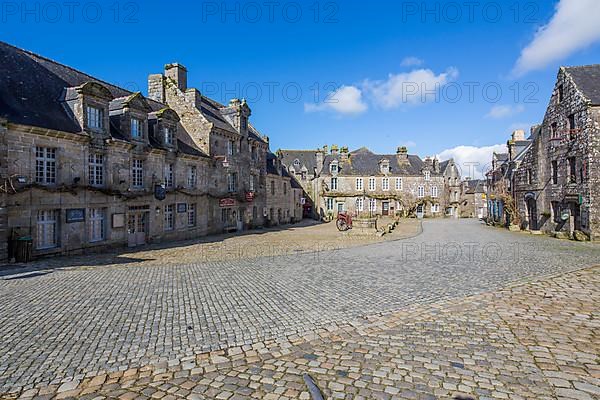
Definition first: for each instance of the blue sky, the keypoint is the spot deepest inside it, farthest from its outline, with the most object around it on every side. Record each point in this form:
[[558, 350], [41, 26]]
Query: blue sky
[[349, 74]]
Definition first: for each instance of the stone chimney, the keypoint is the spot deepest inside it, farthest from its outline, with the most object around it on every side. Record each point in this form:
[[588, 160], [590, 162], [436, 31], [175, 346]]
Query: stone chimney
[[325, 149], [436, 164], [156, 88], [518, 135], [320, 157], [334, 149], [344, 153], [177, 73], [402, 154]]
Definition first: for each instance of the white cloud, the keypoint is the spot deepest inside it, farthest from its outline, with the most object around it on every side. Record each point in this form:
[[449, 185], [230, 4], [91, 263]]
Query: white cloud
[[412, 62], [409, 88], [505, 111], [410, 144], [472, 161], [574, 26], [345, 100]]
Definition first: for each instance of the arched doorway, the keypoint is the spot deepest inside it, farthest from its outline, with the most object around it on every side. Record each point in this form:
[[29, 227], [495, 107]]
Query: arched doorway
[[532, 213]]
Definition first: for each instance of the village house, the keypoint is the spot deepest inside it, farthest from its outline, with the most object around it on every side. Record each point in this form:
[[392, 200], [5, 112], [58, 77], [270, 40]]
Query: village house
[[558, 182], [362, 182], [284, 194], [501, 207], [88, 165], [474, 199], [304, 166]]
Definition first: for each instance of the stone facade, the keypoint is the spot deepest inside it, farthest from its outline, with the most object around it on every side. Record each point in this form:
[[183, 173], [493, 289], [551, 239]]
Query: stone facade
[[558, 182], [284, 196], [474, 199], [365, 183], [90, 165]]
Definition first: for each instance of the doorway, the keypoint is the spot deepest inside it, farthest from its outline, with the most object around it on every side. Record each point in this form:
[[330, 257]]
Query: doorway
[[137, 228], [532, 213], [385, 208]]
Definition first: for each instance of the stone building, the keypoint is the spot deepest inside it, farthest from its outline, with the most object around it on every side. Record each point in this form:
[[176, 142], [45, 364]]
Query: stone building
[[362, 182], [238, 152], [558, 182], [474, 199], [88, 165], [501, 180], [304, 166], [284, 194]]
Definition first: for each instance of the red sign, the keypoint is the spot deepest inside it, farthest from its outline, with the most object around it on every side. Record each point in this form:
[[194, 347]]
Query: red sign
[[249, 197], [226, 203]]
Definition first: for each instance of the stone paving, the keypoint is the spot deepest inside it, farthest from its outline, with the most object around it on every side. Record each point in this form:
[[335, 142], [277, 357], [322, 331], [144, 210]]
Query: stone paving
[[242, 329]]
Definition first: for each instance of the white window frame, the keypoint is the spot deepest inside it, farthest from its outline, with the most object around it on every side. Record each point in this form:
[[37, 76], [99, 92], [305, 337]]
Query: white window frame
[[137, 173], [385, 184], [427, 175], [359, 184], [434, 192], [170, 175], [372, 184], [421, 192], [47, 229], [137, 130], [341, 207], [230, 148], [334, 168], [169, 217], [360, 204], [96, 169], [95, 117], [232, 182], [251, 186], [334, 183], [191, 215], [329, 204], [373, 205], [399, 184], [169, 136], [192, 176], [97, 225], [45, 165], [435, 208]]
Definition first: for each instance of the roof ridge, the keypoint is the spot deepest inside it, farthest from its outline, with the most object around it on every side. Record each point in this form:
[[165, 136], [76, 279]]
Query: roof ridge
[[580, 66], [31, 53]]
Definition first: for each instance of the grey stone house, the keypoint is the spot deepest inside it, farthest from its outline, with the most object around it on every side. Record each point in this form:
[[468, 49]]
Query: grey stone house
[[88, 165], [558, 182], [304, 166], [474, 199], [284, 194]]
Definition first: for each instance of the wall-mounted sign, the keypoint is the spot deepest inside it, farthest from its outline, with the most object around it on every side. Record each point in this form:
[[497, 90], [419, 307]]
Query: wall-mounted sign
[[75, 215], [160, 192], [181, 208], [249, 197], [303, 201], [223, 203], [118, 220], [565, 215]]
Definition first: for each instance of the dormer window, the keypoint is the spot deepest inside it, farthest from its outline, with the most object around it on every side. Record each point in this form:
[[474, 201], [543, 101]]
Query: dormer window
[[95, 118], [384, 166], [334, 168], [296, 164], [427, 175], [169, 136], [136, 128], [243, 123]]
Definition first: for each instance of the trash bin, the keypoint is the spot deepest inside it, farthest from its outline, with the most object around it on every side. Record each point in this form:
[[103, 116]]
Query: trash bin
[[23, 249]]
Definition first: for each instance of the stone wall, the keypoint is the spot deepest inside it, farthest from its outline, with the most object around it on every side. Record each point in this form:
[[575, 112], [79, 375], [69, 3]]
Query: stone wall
[[115, 198], [398, 200], [583, 145]]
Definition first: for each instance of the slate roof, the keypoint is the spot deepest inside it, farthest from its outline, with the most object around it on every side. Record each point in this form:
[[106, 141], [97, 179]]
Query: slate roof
[[271, 168], [307, 158], [363, 162], [475, 186], [31, 87], [587, 79]]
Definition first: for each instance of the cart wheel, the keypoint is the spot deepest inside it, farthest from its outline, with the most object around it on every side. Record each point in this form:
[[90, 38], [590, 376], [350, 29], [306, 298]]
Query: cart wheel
[[341, 225]]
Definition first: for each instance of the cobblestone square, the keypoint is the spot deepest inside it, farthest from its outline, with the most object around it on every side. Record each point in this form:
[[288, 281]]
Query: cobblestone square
[[460, 309]]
